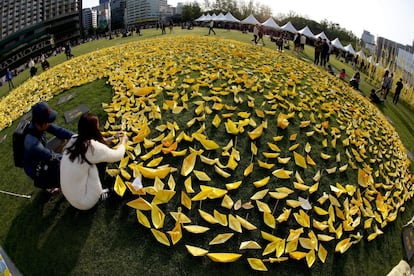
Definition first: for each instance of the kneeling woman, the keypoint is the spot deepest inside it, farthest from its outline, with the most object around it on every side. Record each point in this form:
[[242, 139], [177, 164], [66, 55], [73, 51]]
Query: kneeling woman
[[82, 160]]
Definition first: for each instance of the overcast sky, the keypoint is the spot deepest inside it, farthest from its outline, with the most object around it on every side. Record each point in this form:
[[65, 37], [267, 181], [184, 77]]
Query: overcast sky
[[389, 19]]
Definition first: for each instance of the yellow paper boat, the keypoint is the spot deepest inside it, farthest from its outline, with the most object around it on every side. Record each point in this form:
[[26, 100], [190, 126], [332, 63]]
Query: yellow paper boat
[[260, 194], [180, 217], [245, 224], [282, 173], [160, 237], [163, 196], [196, 229], [207, 217], [221, 238], [188, 164], [202, 176], [196, 251], [224, 257], [143, 219], [234, 185], [256, 264], [140, 204], [176, 233]]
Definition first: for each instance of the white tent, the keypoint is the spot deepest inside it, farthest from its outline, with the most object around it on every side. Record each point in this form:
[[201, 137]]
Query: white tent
[[289, 27], [337, 44], [322, 35], [230, 18], [219, 17], [270, 23], [201, 18], [208, 17], [361, 54], [307, 32], [250, 20], [349, 49]]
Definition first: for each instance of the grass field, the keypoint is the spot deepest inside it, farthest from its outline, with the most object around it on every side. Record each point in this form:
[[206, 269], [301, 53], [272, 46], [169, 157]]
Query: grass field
[[45, 236]]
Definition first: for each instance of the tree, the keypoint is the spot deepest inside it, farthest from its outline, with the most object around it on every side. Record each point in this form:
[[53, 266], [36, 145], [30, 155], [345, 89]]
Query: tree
[[191, 11]]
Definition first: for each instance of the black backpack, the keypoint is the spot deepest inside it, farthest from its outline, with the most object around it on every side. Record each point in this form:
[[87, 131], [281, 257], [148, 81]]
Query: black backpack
[[18, 142]]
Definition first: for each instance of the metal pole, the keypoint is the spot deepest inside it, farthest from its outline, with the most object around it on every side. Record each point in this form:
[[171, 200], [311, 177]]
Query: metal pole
[[14, 194]]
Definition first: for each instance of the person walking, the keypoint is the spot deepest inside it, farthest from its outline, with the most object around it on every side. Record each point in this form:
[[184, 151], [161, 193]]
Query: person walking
[[211, 28], [9, 78], [398, 88], [260, 34], [255, 33]]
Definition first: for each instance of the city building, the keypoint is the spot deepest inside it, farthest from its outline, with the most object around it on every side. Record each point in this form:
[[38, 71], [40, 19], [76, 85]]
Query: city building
[[90, 18], [140, 11], [368, 41], [29, 28]]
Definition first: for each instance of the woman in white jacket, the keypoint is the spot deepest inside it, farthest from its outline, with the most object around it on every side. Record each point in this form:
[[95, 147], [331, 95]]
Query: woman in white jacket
[[82, 160]]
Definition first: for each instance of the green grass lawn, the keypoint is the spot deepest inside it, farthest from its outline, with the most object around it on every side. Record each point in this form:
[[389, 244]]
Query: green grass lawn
[[45, 236]]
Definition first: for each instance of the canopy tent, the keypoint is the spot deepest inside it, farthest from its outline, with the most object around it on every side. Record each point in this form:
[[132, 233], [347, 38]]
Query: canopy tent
[[322, 35], [250, 20], [337, 44], [219, 17], [208, 17], [230, 18], [270, 23], [361, 54], [307, 32], [349, 49], [289, 28], [201, 18]]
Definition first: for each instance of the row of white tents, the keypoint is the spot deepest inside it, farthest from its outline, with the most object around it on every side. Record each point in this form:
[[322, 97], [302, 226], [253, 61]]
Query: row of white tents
[[271, 24]]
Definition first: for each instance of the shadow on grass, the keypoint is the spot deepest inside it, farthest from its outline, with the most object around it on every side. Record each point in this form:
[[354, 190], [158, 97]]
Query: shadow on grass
[[48, 235]]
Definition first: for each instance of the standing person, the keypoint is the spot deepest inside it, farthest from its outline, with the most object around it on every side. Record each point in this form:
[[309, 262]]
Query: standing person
[[255, 33], [171, 26], [296, 42], [40, 162], [389, 86], [211, 28], [398, 88], [261, 34], [324, 52], [318, 50], [302, 42], [163, 27], [32, 67], [385, 83], [279, 43], [68, 51], [9, 78], [81, 167]]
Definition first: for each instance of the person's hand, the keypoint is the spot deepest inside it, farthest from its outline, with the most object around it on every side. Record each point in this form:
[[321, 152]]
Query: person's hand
[[124, 138]]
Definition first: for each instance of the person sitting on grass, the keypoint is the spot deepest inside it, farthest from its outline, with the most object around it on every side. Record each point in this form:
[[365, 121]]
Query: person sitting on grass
[[341, 74], [374, 97], [84, 162], [355, 81], [40, 162]]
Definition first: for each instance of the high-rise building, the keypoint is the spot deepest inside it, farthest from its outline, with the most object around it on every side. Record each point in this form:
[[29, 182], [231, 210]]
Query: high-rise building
[[138, 11], [90, 18], [29, 28], [369, 41]]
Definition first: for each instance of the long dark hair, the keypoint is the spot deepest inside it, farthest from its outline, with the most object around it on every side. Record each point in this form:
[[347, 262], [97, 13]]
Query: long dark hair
[[88, 128]]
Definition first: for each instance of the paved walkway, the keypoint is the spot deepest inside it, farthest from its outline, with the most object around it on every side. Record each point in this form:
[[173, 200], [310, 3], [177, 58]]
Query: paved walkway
[[6, 263]]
